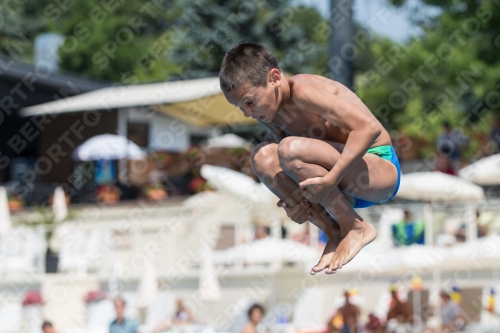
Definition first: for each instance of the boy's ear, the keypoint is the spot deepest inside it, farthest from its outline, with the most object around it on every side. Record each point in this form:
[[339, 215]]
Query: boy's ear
[[275, 77]]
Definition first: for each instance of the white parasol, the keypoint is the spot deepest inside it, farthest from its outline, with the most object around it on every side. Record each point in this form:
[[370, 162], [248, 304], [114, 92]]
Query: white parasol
[[228, 141], [485, 171], [430, 186], [107, 147], [267, 250]]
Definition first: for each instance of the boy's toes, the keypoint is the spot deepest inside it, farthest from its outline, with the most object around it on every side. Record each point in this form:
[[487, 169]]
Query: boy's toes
[[322, 264], [338, 264], [331, 268], [318, 268]]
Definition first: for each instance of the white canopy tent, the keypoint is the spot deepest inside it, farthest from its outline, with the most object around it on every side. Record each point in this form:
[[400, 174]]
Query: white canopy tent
[[485, 171], [107, 147]]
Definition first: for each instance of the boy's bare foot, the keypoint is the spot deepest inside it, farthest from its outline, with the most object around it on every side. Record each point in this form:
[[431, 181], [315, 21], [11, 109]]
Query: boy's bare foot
[[334, 238], [361, 234], [326, 257]]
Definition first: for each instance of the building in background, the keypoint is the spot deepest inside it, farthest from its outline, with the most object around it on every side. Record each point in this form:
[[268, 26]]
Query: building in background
[[158, 117], [23, 85]]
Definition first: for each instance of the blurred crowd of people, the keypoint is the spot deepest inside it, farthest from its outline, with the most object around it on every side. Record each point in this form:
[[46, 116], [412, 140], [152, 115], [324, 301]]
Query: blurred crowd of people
[[182, 316], [399, 318]]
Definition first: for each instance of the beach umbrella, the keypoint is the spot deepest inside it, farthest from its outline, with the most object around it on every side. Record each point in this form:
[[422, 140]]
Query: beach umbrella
[[430, 186], [375, 257], [5, 221], [485, 171], [59, 207], [482, 252], [267, 250], [238, 184], [229, 140], [209, 284], [148, 286], [421, 257], [107, 147]]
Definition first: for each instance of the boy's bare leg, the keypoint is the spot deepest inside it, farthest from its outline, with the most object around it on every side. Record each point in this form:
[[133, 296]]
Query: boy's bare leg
[[266, 165], [355, 232]]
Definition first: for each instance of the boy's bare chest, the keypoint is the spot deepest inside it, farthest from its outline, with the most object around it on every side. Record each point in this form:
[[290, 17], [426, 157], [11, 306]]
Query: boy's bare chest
[[296, 123]]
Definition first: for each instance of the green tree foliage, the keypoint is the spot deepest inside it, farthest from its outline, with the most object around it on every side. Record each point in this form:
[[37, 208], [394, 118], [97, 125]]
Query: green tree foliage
[[18, 28], [133, 41], [114, 40], [212, 27], [450, 72]]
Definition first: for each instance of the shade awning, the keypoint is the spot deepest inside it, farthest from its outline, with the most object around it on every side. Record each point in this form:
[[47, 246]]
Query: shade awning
[[130, 96], [199, 102], [208, 111]]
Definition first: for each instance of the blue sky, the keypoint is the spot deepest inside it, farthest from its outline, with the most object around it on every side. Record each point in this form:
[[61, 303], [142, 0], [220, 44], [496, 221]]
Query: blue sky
[[378, 15]]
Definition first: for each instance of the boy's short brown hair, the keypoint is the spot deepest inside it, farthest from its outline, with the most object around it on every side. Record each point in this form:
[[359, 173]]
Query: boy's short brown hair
[[246, 62]]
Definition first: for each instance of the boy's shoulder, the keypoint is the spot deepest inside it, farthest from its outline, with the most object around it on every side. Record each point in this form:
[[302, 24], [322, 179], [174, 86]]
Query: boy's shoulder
[[304, 81], [308, 85], [300, 83]]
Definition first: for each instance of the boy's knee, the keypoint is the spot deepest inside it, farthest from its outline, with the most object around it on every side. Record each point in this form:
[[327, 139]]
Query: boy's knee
[[288, 149], [264, 157]]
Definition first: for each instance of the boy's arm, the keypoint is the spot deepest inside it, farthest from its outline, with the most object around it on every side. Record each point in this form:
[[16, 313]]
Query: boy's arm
[[363, 126], [277, 133]]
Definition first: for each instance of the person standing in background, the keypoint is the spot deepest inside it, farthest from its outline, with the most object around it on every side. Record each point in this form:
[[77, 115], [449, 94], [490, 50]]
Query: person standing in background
[[374, 325], [122, 324], [408, 231], [399, 310], [461, 234], [48, 328], [450, 144], [444, 165], [255, 315], [350, 315], [450, 313]]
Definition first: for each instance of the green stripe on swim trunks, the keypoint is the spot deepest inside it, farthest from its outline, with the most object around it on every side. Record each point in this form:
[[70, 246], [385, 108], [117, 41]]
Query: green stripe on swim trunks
[[383, 151]]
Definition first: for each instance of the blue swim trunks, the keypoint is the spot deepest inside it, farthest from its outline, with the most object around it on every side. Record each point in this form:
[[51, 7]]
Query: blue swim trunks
[[386, 152]]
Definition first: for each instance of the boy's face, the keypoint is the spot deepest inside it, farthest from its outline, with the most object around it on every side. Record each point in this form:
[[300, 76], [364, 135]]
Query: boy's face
[[260, 103]]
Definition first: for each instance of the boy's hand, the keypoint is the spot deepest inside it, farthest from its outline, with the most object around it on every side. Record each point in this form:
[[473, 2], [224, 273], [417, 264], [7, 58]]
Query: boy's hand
[[299, 213], [316, 189]]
